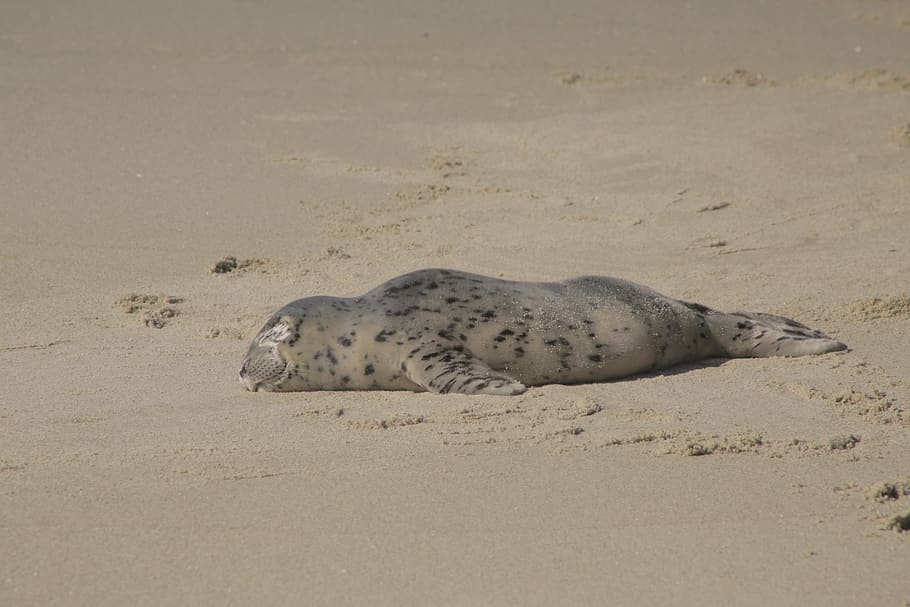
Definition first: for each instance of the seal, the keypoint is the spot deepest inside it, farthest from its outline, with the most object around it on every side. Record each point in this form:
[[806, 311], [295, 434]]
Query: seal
[[448, 331]]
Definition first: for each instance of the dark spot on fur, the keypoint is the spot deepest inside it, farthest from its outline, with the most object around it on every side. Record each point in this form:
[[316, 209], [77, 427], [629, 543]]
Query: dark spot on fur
[[330, 354], [448, 385], [383, 335], [404, 287], [595, 358], [696, 307], [369, 370], [344, 341]]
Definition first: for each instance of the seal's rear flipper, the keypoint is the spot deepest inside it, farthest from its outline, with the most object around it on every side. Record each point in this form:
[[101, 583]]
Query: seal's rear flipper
[[445, 367], [755, 334]]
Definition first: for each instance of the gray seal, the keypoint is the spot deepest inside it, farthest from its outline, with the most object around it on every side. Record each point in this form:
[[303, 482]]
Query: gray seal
[[449, 331]]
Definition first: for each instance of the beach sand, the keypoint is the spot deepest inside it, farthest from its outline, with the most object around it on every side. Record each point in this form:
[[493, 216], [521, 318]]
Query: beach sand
[[743, 155]]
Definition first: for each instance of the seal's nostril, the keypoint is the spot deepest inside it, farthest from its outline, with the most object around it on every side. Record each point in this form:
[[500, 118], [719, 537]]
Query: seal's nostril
[[252, 386]]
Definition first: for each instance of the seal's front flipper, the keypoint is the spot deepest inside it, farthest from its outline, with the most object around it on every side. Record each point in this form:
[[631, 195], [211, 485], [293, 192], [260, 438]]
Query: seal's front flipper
[[748, 334], [445, 367]]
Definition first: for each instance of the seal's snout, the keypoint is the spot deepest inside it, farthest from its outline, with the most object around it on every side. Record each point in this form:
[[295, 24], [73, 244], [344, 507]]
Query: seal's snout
[[264, 368], [245, 380]]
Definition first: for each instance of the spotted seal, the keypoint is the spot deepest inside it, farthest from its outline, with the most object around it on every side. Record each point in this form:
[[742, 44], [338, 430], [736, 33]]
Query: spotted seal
[[448, 331]]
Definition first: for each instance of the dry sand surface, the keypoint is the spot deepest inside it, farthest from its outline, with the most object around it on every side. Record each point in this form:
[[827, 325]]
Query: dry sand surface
[[740, 154]]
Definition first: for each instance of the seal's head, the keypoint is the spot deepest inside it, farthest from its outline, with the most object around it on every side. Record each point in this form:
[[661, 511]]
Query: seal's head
[[264, 368]]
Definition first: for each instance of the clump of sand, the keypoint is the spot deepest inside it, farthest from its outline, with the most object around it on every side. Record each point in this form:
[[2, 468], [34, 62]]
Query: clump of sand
[[231, 264]]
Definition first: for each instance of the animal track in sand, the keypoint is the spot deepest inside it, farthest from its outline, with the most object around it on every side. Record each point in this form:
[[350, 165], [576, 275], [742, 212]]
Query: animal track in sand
[[862, 310], [602, 76], [900, 135], [875, 407], [396, 421], [742, 77], [154, 310], [449, 162], [871, 79], [889, 503]]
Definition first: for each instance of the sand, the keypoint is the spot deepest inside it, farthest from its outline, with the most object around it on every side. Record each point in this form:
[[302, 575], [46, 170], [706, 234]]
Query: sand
[[743, 155]]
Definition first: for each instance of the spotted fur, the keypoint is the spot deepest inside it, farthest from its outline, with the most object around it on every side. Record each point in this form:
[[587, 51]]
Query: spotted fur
[[447, 331]]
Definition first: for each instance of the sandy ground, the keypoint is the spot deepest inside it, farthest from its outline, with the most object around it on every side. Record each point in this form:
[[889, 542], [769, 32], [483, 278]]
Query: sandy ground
[[740, 154]]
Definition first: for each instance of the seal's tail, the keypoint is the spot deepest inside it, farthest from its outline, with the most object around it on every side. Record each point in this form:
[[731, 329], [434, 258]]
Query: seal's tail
[[755, 334]]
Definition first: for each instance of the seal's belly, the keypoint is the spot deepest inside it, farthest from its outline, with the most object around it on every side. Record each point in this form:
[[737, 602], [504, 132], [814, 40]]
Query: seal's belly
[[556, 345]]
